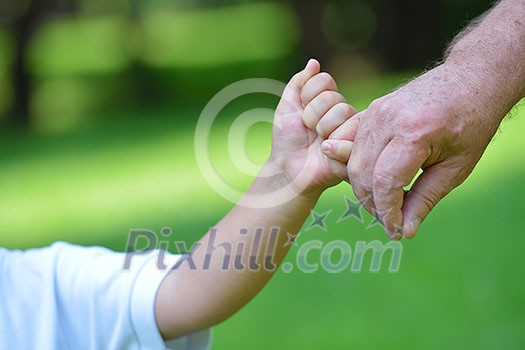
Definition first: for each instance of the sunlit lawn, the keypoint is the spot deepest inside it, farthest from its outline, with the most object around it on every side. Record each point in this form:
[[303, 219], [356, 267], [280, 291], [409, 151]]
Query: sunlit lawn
[[460, 283]]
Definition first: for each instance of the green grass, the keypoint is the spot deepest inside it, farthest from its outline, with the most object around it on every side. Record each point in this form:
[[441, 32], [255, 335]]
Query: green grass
[[460, 283]]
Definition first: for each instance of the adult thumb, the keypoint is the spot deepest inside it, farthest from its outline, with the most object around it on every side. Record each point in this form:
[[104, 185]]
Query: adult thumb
[[430, 187]]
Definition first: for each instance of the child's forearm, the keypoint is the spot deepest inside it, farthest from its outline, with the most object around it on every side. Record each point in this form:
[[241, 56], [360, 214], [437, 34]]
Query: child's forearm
[[257, 240], [239, 255]]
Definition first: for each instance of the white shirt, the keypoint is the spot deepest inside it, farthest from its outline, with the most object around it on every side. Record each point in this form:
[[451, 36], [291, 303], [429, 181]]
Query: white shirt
[[70, 297]]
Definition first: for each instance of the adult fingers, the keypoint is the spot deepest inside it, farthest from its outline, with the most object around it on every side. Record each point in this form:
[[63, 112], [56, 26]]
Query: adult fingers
[[348, 130], [431, 186], [360, 168], [338, 150], [395, 168]]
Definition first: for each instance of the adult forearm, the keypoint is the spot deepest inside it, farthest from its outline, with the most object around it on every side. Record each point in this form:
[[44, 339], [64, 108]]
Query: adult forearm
[[440, 122], [491, 55]]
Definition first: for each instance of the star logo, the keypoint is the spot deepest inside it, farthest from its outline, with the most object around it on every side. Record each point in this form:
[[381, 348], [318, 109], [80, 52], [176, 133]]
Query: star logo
[[318, 220], [377, 220], [399, 231], [291, 239], [374, 222], [352, 209]]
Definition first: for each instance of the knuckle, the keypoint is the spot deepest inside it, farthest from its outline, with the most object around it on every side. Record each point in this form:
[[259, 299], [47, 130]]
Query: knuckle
[[366, 185], [388, 114], [413, 121], [429, 200], [385, 111], [418, 129], [384, 181], [309, 117], [321, 129], [330, 98], [378, 105], [433, 194], [430, 196], [304, 97], [386, 108], [296, 78], [327, 80], [408, 126], [365, 180], [353, 173], [374, 104], [345, 109]]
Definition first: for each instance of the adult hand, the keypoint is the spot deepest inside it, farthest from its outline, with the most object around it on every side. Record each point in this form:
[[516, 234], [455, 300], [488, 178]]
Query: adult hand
[[441, 123]]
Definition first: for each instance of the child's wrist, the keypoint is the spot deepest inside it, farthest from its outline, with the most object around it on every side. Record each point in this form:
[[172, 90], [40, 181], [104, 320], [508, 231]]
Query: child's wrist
[[274, 173]]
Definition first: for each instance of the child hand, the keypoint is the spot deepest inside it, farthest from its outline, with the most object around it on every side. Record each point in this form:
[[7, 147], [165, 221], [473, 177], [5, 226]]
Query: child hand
[[336, 124], [310, 96]]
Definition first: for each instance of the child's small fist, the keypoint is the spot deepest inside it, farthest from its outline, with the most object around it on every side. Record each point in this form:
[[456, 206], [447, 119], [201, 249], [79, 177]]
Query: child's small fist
[[325, 109], [327, 113]]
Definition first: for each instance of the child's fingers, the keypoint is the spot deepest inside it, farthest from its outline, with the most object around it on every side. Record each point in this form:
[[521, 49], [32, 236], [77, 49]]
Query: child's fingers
[[316, 85], [319, 106], [292, 91], [334, 118], [339, 150]]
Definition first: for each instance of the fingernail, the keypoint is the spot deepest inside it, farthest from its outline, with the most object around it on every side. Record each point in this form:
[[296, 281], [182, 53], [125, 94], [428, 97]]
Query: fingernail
[[308, 63], [396, 234], [326, 147], [398, 230], [397, 237], [414, 226]]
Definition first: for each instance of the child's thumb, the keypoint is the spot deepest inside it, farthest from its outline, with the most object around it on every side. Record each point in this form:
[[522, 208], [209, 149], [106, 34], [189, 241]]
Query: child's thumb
[[292, 92]]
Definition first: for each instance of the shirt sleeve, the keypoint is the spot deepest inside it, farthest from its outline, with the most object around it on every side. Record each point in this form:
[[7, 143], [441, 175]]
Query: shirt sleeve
[[67, 296], [152, 272]]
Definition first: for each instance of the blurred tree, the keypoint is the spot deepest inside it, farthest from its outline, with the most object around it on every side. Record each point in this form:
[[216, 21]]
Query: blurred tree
[[404, 34], [413, 34], [410, 33], [144, 86], [22, 29], [457, 14], [313, 43], [23, 20]]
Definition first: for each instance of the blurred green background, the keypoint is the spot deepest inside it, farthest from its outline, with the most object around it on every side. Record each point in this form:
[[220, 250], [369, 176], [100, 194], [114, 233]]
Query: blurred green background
[[98, 106]]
